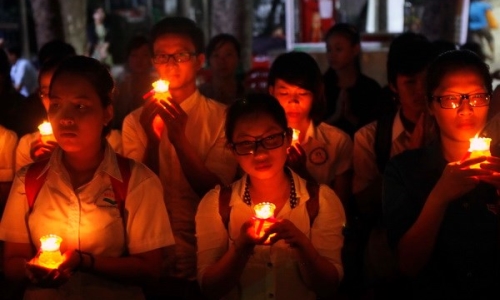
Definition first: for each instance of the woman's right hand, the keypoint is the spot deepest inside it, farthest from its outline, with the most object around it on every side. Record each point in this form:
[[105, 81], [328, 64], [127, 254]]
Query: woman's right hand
[[458, 178], [44, 277], [40, 150]]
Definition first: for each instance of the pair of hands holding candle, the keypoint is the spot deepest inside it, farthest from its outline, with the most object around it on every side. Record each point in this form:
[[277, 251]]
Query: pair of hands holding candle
[[281, 230], [46, 277], [460, 177], [159, 111]]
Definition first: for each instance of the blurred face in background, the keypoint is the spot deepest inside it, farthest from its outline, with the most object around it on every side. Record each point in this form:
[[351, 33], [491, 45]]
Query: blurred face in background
[[341, 53], [410, 90], [139, 60], [224, 60]]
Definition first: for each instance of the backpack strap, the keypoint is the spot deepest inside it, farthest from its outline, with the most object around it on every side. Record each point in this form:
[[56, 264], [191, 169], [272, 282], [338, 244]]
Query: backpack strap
[[120, 188], [224, 208], [312, 204], [34, 181]]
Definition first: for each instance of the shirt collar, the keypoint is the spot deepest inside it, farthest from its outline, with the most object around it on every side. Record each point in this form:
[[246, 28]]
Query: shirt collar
[[397, 126], [108, 165], [191, 101]]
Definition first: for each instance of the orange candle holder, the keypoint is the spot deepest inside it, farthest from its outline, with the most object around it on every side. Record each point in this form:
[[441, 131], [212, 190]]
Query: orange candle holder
[[479, 146], [50, 253], [46, 133], [264, 218]]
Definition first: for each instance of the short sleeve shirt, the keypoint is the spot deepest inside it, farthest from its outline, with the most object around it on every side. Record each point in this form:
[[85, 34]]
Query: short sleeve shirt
[[205, 132], [88, 219], [272, 271]]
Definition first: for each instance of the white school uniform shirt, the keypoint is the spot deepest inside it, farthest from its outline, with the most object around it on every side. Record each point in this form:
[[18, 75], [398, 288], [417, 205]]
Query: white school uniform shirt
[[23, 73], [328, 152], [23, 150], [8, 144], [205, 131], [365, 161], [88, 219], [272, 272]]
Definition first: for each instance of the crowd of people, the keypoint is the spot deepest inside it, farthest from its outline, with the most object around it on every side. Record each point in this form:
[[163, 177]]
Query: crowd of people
[[157, 197]]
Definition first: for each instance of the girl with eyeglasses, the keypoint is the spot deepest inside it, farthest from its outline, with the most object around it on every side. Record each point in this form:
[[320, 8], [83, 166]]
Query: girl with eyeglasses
[[302, 260], [442, 213]]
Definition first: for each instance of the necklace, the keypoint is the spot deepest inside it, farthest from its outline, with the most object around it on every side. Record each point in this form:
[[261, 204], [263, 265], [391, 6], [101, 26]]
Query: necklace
[[293, 194]]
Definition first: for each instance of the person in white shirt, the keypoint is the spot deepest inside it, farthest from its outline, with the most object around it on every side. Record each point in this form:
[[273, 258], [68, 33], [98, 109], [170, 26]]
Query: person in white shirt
[[322, 151], [301, 260], [182, 140], [22, 72], [107, 252]]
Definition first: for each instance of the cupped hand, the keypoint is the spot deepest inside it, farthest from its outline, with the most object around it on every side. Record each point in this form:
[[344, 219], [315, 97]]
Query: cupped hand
[[287, 231], [40, 150], [248, 238], [44, 277], [491, 164], [175, 119], [459, 178]]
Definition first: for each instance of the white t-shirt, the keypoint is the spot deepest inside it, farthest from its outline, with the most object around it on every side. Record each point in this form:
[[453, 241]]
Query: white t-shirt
[[88, 219], [8, 144], [272, 271], [205, 132], [23, 73]]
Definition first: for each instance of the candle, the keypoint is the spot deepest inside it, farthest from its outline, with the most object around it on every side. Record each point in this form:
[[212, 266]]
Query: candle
[[295, 136], [479, 147], [50, 255], [264, 218], [159, 91], [46, 134]]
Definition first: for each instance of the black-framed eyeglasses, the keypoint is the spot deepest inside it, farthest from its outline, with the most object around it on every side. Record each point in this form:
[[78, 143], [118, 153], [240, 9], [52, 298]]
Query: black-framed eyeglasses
[[164, 58], [270, 142], [454, 101]]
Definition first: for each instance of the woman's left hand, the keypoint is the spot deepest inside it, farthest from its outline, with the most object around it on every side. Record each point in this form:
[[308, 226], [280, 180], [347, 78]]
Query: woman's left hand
[[287, 231], [175, 119], [492, 164]]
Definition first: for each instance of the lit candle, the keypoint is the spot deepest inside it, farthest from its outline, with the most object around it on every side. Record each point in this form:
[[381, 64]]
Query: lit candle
[[295, 136], [45, 130], [264, 218], [50, 255], [159, 91], [479, 147]]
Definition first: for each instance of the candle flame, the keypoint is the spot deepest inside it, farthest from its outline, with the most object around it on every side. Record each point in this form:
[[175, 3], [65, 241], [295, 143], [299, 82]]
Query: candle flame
[[161, 86], [264, 210], [50, 242], [295, 135], [45, 128], [479, 144]]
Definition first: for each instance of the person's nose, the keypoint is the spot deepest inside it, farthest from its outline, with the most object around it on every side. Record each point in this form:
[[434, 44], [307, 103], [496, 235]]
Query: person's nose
[[465, 108], [66, 116]]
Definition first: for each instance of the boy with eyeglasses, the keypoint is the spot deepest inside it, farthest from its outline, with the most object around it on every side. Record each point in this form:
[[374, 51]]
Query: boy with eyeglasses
[[182, 140]]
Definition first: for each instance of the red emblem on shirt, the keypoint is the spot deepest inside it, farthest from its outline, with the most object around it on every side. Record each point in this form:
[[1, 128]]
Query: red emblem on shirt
[[318, 156]]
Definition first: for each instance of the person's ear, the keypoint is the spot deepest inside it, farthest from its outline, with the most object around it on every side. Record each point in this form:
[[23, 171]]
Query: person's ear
[[108, 114], [200, 59]]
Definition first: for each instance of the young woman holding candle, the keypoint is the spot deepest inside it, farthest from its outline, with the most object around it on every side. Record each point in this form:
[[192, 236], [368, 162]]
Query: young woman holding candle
[[441, 214], [323, 152], [303, 260], [107, 252]]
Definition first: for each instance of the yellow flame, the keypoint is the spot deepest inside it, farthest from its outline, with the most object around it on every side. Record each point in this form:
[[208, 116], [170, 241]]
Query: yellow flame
[[161, 86], [295, 135], [50, 256], [50, 242], [479, 144], [264, 210], [45, 128]]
